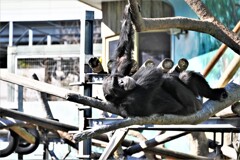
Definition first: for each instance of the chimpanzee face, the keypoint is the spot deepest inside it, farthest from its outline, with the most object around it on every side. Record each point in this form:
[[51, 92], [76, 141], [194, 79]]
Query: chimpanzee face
[[115, 88]]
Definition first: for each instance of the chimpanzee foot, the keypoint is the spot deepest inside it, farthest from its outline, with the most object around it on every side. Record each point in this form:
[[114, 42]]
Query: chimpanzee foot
[[223, 96], [220, 94], [166, 65], [183, 64]]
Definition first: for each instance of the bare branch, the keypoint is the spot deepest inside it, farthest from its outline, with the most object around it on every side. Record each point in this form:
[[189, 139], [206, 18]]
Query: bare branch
[[204, 14], [102, 105], [209, 109], [200, 9]]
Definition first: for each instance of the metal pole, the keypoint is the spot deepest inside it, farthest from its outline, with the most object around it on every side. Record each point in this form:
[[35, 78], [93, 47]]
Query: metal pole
[[10, 41], [86, 48], [30, 37], [20, 98], [49, 40], [88, 87], [10, 62]]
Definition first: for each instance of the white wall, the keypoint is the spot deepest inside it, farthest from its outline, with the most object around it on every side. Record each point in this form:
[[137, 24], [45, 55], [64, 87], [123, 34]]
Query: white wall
[[41, 10]]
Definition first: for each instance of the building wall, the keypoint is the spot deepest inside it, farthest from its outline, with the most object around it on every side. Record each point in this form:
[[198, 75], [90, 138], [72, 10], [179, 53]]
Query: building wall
[[38, 10], [113, 10]]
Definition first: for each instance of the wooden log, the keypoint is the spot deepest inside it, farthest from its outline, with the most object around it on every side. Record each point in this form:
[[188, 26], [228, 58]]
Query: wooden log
[[45, 123]]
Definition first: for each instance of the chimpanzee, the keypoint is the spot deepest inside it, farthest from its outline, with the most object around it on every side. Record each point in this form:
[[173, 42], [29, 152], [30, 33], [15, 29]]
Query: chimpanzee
[[151, 90]]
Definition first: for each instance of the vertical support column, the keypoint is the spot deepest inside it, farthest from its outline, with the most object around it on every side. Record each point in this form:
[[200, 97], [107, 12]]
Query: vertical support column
[[20, 98], [30, 37], [86, 48], [10, 62], [49, 40], [10, 40], [88, 87], [82, 51], [20, 108]]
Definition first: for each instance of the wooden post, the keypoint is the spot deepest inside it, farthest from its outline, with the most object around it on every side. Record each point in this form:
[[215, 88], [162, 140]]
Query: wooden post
[[218, 55], [230, 71], [115, 141]]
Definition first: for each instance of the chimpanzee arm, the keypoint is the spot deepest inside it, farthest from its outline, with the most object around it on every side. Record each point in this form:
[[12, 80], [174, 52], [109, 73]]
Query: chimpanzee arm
[[123, 54]]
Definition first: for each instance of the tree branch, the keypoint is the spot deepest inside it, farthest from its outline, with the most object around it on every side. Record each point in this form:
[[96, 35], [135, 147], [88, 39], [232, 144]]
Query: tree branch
[[209, 109], [208, 24], [92, 102], [204, 14]]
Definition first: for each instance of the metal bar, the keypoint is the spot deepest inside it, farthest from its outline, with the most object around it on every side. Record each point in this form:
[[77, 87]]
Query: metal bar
[[42, 40], [44, 105], [211, 125], [174, 154], [3, 28], [49, 41], [19, 39], [222, 139], [10, 42], [86, 45], [160, 139], [20, 98], [30, 37], [191, 128], [45, 123], [9, 122], [155, 150]]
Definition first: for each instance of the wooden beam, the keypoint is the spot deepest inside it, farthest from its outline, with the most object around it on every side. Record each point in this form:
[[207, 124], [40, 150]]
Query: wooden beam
[[69, 95], [45, 123], [115, 141], [219, 54], [34, 84], [24, 134], [230, 71]]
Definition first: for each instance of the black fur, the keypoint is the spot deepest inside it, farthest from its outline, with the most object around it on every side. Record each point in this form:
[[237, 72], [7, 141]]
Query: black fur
[[151, 90]]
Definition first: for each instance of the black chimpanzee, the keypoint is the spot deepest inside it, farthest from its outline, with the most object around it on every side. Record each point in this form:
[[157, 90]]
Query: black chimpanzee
[[150, 90]]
